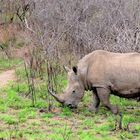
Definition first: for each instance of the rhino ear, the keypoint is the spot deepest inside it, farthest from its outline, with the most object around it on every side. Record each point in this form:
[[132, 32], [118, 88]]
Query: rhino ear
[[75, 69], [67, 69]]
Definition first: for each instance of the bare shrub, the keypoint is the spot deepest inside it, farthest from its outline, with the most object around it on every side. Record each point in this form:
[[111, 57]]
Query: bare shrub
[[77, 27], [82, 26]]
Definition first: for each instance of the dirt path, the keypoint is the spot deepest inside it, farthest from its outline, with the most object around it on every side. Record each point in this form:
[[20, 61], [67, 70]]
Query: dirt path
[[6, 77]]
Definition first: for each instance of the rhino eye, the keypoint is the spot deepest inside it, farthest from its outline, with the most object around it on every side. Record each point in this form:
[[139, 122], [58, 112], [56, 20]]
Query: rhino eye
[[73, 92]]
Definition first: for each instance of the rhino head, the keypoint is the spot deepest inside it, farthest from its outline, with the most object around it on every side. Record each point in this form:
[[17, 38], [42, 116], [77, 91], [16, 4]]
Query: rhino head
[[74, 90]]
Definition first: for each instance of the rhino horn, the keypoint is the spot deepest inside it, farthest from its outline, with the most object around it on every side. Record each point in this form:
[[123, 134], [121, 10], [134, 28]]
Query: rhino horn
[[56, 97]]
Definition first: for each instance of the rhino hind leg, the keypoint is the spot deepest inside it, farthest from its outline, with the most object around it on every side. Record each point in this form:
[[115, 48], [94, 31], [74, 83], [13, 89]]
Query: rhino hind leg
[[94, 106], [104, 95]]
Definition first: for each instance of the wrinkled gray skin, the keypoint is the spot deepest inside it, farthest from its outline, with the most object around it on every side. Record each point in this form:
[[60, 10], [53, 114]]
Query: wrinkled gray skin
[[104, 73]]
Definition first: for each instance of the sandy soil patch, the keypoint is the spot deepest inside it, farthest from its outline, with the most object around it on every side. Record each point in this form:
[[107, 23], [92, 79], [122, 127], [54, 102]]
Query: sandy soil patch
[[6, 77]]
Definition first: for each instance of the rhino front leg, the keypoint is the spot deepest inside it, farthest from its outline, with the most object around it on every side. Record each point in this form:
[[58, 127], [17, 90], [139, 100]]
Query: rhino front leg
[[104, 95], [95, 104]]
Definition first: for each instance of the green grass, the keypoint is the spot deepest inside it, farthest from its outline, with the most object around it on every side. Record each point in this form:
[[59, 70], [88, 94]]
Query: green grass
[[8, 63], [19, 120]]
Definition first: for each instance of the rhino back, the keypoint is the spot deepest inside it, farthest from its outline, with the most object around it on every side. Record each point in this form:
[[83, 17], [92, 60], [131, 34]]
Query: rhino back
[[120, 71]]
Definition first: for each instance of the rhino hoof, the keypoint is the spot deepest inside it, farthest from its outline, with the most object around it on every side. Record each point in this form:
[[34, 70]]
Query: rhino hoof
[[93, 109]]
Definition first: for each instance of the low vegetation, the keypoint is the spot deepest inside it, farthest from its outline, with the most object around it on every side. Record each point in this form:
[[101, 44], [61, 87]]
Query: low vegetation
[[8, 63]]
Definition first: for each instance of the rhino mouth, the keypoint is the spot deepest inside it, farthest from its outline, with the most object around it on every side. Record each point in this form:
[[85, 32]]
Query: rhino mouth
[[60, 100]]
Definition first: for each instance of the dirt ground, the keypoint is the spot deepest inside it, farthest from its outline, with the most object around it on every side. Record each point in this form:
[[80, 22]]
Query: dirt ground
[[6, 77]]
